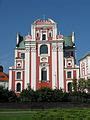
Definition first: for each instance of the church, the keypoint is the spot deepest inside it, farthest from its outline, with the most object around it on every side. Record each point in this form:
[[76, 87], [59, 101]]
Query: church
[[44, 58]]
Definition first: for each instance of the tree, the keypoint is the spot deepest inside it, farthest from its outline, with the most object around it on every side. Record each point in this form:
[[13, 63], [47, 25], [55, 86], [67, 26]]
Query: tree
[[82, 85], [88, 85], [74, 85], [7, 96]]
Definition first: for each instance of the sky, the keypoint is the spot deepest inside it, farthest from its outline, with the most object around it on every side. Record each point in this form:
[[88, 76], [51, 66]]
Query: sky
[[18, 15]]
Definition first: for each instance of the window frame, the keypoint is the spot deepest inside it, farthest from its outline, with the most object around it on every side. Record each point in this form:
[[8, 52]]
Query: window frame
[[23, 55], [45, 47], [19, 87], [43, 36], [43, 74], [69, 76], [17, 78]]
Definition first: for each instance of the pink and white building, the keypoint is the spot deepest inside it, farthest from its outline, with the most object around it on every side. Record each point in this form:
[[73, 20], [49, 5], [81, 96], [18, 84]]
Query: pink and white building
[[43, 58]]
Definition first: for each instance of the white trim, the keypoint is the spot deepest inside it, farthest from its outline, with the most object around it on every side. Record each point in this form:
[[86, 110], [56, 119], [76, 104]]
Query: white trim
[[69, 70], [39, 45], [19, 65], [20, 51], [40, 73], [16, 75], [16, 86], [16, 51], [45, 33], [61, 66], [47, 68], [33, 68], [27, 68], [54, 65], [67, 84], [43, 59], [77, 73], [48, 73], [10, 79]]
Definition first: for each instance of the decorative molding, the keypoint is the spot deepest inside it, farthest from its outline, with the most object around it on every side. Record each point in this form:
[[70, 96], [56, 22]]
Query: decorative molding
[[27, 49], [33, 48], [43, 65], [54, 48], [60, 48], [44, 59]]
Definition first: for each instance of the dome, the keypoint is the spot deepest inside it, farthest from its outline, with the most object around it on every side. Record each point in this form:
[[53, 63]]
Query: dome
[[44, 21]]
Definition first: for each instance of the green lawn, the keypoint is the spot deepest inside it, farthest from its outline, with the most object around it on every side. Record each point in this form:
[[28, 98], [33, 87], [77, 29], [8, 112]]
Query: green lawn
[[51, 114]]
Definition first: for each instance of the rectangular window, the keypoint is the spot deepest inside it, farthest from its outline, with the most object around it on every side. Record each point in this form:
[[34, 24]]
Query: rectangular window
[[43, 75], [43, 36], [18, 75], [23, 55], [69, 74]]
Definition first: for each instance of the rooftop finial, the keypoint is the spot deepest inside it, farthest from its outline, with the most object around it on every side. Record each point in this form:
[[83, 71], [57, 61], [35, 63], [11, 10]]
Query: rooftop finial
[[17, 38], [73, 37]]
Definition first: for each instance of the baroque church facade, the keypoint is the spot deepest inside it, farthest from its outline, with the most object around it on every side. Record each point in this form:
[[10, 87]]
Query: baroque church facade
[[43, 58]]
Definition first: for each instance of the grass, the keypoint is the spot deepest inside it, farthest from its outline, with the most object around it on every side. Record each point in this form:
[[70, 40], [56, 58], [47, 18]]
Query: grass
[[48, 114]]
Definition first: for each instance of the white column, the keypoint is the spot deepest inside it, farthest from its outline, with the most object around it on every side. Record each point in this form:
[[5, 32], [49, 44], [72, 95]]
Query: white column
[[60, 66], [77, 72], [54, 65], [33, 67], [27, 68], [10, 78]]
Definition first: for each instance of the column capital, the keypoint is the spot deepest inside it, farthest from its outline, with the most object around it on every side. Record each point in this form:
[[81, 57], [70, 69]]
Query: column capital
[[33, 48], [54, 48]]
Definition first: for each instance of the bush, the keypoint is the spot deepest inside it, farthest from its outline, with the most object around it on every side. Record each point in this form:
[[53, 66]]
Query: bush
[[44, 95], [7, 96], [27, 95]]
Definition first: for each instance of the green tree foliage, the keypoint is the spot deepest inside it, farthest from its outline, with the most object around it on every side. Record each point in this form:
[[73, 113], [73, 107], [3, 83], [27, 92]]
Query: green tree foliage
[[88, 85], [7, 96], [74, 85], [43, 95], [27, 95], [82, 85]]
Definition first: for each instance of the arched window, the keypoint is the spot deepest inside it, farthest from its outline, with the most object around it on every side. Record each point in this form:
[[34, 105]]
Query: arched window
[[18, 87], [43, 74], [18, 75], [69, 87], [43, 49]]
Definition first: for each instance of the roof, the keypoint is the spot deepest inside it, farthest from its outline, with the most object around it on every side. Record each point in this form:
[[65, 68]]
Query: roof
[[44, 21], [86, 55], [68, 41], [4, 77], [21, 42]]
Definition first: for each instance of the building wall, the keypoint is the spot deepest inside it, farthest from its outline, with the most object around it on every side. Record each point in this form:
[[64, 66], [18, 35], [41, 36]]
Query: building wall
[[31, 68], [85, 67]]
